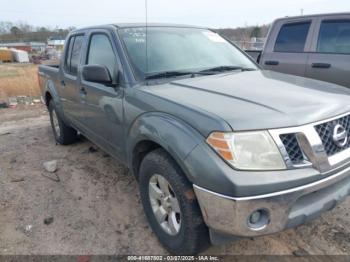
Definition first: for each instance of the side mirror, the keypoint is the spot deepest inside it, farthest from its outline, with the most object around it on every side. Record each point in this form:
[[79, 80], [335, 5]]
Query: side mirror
[[97, 74]]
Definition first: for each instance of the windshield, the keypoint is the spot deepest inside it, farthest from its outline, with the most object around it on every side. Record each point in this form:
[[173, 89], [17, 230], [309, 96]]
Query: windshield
[[172, 49]]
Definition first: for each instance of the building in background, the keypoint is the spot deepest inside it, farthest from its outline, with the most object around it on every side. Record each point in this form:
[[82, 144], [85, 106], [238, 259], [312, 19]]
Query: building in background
[[38, 47], [18, 45], [29, 47], [56, 42], [254, 43]]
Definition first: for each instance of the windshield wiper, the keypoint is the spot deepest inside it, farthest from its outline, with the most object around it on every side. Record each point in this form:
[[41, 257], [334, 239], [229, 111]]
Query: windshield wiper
[[168, 74], [210, 71], [227, 68]]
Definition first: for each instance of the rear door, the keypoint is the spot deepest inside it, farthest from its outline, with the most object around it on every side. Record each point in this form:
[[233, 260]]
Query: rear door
[[330, 57], [287, 47], [103, 105], [69, 84]]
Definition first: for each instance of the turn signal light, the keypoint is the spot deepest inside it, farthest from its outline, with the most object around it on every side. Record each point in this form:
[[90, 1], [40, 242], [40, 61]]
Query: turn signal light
[[220, 144]]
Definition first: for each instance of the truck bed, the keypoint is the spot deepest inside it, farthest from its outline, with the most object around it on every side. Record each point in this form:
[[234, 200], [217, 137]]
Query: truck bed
[[46, 73]]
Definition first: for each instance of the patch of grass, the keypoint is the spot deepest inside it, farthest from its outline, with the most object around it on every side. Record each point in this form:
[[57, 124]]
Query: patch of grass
[[9, 73], [18, 80]]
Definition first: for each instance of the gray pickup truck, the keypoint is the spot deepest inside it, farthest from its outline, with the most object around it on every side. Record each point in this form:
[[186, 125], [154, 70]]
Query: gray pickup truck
[[316, 46], [220, 148]]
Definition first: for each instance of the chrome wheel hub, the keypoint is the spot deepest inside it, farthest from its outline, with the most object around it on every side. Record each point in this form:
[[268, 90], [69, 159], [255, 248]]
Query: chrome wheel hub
[[55, 123], [164, 204]]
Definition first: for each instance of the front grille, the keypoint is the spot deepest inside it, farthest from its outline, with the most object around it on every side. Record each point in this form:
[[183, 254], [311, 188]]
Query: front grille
[[291, 144], [325, 131]]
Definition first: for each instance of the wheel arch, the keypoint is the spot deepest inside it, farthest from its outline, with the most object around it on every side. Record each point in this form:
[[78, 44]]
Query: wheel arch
[[48, 98], [50, 91], [157, 130], [50, 94], [141, 149]]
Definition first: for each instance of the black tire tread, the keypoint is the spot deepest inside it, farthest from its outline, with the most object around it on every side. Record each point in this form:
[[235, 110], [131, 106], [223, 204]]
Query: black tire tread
[[194, 235], [68, 134]]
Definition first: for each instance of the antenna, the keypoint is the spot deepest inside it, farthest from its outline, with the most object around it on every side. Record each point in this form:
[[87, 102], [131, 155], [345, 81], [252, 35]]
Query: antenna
[[146, 8]]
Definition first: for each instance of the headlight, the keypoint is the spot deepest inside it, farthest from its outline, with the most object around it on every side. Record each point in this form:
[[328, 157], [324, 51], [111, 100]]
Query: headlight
[[247, 150]]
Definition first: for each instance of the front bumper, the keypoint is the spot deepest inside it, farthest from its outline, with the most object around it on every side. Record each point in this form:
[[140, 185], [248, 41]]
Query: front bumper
[[278, 211]]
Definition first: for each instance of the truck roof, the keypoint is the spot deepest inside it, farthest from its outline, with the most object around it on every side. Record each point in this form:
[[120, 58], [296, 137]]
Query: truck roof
[[129, 25], [126, 25], [311, 16]]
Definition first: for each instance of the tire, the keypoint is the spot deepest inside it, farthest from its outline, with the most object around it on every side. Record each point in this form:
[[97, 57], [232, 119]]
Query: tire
[[63, 134], [192, 236]]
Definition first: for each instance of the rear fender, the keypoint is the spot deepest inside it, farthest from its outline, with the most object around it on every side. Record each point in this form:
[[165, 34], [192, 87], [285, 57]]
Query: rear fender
[[51, 89]]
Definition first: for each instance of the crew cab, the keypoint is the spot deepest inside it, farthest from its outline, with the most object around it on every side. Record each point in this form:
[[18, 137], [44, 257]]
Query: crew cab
[[221, 149], [314, 46]]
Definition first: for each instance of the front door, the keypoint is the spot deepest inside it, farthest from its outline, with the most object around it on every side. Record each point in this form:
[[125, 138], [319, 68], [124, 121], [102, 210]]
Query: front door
[[104, 104], [286, 51]]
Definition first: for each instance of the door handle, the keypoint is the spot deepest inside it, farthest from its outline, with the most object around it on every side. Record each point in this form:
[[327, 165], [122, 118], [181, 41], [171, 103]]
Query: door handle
[[270, 62], [321, 65]]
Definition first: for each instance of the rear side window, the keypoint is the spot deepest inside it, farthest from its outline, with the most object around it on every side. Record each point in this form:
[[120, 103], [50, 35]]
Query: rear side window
[[73, 54], [101, 53], [334, 37], [292, 38], [68, 55]]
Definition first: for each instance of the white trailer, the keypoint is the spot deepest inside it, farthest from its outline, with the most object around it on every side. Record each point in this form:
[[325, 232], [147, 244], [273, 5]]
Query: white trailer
[[20, 56]]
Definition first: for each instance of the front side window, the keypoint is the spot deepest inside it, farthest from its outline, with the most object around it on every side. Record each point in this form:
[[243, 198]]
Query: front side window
[[292, 38], [101, 53], [179, 49], [334, 37]]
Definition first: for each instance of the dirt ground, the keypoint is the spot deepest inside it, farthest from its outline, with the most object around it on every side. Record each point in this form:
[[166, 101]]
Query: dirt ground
[[93, 206]]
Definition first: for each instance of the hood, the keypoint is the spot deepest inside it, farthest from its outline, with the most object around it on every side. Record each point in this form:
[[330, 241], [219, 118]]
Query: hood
[[259, 99]]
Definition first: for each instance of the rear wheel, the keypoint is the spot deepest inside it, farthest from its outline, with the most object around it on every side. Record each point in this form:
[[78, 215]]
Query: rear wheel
[[170, 205], [63, 134]]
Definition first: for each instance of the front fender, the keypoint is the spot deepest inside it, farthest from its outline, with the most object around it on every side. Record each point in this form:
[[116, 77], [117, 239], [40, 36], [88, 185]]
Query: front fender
[[174, 135]]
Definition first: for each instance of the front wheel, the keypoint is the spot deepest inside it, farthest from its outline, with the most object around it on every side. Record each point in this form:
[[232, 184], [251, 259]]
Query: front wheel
[[170, 205]]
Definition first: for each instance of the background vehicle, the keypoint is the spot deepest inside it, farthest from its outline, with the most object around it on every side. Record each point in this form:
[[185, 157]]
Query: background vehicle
[[316, 46], [220, 148]]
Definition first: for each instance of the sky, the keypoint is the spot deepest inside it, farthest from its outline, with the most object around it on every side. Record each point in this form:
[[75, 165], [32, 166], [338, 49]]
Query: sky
[[209, 13]]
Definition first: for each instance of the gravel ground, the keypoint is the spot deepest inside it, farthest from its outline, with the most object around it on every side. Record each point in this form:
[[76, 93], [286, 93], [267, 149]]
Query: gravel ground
[[91, 204]]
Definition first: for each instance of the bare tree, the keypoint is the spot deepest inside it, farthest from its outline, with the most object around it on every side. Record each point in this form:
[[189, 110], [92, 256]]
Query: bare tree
[[15, 31], [22, 31]]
